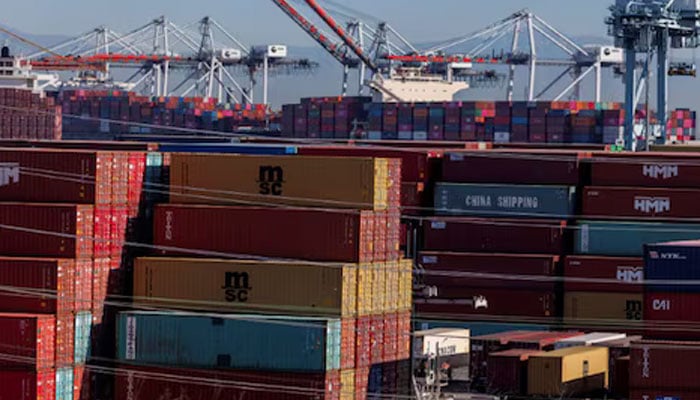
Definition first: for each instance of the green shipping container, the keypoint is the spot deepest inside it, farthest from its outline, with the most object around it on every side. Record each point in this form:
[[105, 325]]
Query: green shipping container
[[64, 384], [607, 238], [83, 327]]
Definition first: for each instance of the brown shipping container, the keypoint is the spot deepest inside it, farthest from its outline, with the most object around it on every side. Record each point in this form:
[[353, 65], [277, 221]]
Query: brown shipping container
[[46, 230], [318, 235], [646, 169], [568, 372], [640, 202], [620, 377], [513, 166], [54, 277], [469, 304], [482, 346], [27, 341], [247, 286], [507, 371], [603, 274], [495, 235], [333, 182], [663, 394], [659, 364], [612, 310], [445, 268], [55, 176]]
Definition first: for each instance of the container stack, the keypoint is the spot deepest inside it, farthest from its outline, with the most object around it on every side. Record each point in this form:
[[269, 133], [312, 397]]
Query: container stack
[[28, 115], [335, 116], [65, 214], [664, 369], [296, 256], [681, 126]]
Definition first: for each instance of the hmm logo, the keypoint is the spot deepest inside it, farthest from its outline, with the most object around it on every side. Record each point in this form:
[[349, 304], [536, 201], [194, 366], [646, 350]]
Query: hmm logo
[[630, 274], [270, 180], [663, 171], [9, 173], [236, 287], [480, 302], [649, 205]]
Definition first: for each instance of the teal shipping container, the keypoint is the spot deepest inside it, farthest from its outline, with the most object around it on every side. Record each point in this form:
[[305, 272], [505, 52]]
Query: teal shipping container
[[64, 384], [609, 238], [83, 327], [505, 201], [229, 341]]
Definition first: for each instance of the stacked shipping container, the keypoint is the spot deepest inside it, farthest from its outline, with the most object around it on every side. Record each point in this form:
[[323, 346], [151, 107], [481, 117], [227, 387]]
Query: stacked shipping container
[[28, 115]]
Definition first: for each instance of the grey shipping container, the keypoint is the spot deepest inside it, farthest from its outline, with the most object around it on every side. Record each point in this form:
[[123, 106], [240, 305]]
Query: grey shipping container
[[505, 201], [610, 238], [227, 341]]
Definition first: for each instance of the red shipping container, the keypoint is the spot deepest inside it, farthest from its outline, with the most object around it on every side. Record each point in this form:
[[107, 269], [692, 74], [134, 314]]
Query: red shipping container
[[27, 385], [589, 273], [148, 383], [27, 341], [672, 315], [444, 269], [363, 348], [348, 343], [102, 231], [120, 178], [82, 292], [602, 201], [81, 383], [473, 304], [65, 339], [376, 339], [44, 230], [390, 337], [55, 277], [100, 279], [663, 394], [380, 235], [646, 169], [137, 168], [404, 338], [507, 371], [495, 235], [118, 230], [54, 176], [361, 383], [320, 235], [658, 364], [512, 166]]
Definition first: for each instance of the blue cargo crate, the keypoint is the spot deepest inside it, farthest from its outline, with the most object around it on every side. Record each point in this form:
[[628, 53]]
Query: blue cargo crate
[[272, 343], [505, 201], [673, 262], [610, 238], [519, 120]]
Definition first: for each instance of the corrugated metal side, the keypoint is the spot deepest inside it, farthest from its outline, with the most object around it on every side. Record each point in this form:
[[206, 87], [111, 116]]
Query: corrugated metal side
[[671, 315], [463, 303], [603, 308], [405, 285], [651, 170], [627, 272], [645, 203], [83, 330], [53, 276], [627, 238], [672, 262], [507, 371], [28, 385], [659, 364], [27, 341], [548, 373], [65, 337], [64, 384], [670, 393], [347, 384]]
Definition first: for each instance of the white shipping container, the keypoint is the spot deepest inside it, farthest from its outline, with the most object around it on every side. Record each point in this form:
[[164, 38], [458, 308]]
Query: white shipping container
[[449, 342], [589, 339]]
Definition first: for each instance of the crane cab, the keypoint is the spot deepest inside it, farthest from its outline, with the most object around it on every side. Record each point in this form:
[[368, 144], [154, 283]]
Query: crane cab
[[682, 69]]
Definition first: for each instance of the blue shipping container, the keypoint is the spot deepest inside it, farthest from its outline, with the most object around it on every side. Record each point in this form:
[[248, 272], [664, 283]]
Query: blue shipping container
[[672, 261], [83, 327], [227, 341], [557, 202], [374, 384], [608, 238], [64, 384]]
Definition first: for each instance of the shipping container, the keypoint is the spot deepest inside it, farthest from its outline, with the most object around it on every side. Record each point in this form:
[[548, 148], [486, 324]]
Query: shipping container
[[495, 235], [469, 303], [669, 170], [618, 310], [664, 364], [318, 235], [512, 167], [672, 264], [647, 203], [358, 183], [663, 394], [589, 339], [28, 385], [487, 270], [672, 315], [253, 286], [27, 341], [149, 382], [568, 372], [603, 274], [628, 238], [41, 276], [507, 371], [505, 201], [83, 331], [233, 342], [452, 344], [64, 383]]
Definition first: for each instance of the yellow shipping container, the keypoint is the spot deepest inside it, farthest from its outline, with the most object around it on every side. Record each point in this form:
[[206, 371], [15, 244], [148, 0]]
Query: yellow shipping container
[[337, 182], [379, 295], [405, 285], [568, 372], [247, 286], [365, 289], [392, 286], [347, 384], [592, 307]]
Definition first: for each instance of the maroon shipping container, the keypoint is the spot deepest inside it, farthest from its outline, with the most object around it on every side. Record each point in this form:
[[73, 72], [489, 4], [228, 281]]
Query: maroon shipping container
[[495, 235], [148, 383], [320, 235], [541, 340], [483, 346], [376, 337], [27, 341], [470, 304], [443, 269], [646, 169], [363, 345], [56, 278], [661, 364], [672, 315], [619, 202], [603, 274], [663, 394], [513, 166], [55, 176], [620, 377], [46, 230], [27, 385], [507, 371]]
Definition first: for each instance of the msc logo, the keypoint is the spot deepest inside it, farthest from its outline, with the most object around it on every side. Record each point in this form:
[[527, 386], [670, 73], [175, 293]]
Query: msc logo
[[237, 287], [270, 180], [9, 173], [633, 310], [650, 205], [663, 171], [630, 274]]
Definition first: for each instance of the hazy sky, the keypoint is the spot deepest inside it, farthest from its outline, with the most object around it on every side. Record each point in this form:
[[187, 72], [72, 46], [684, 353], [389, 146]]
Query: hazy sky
[[259, 21]]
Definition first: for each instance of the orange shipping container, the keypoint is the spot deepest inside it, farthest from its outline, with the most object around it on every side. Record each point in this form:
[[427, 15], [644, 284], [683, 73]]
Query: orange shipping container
[[332, 182]]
